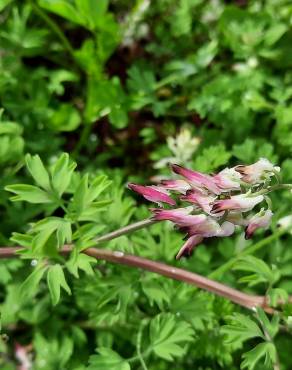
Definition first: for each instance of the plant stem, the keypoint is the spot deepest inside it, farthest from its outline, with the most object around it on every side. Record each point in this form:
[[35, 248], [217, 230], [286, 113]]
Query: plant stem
[[83, 139], [126, 230], [138, 346], [236, 296], [249, 250], [55, 28]]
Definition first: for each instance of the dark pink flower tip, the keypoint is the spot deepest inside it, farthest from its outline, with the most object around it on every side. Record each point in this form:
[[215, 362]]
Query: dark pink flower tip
[[197, 178], [153, 193], [188, 247]]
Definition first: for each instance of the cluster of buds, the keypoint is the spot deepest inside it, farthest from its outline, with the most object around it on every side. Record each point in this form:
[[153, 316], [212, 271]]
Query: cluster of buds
[[212, 206]]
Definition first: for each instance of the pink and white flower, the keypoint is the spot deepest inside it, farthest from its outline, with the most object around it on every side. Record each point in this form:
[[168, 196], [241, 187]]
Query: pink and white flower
[[189, 245], [204, 201], [228, 179], [197, 179], [153, 193], [180, 216], [206, 229], [210, 228], [180, 186], [258, 172], [260, 220], [241, 202]]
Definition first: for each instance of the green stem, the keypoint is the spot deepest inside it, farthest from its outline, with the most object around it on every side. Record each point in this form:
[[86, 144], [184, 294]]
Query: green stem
[[83, 139], [138, 346], [249, 250], [55, 28]]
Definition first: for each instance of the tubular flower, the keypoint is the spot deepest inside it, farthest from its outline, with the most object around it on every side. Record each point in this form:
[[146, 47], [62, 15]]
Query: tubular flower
[[153, 193], [217, 204], [261, 219], [180, 216], [202, 200], [228, 179], [258, 172], [210, 228], [197, 179], [180, 186], [189, 245], [241, 202]]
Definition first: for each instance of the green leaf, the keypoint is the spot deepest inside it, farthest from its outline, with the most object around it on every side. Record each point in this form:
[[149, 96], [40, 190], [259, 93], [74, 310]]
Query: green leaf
[[29, 193], [29, 286], [107, 360], [169, 335], [251, 358], [4, 3], [262, 273], [80, 261], [62, 8], [277, 295], [241, 329], [272, 327], [38, 171], [56, 280], [61, 173], [92, 11], [66, 118], [212, 158]]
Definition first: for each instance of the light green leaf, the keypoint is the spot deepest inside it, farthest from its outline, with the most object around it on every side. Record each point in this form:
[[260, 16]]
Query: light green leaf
[[29, 193], [107, 360], [29, 286], [65, 118], [63, 8], [4, 3], [168, 336], [251, 358], [38, 171], [62, 172], [241, 329], [56, 280], [80, 261], [261, 271]]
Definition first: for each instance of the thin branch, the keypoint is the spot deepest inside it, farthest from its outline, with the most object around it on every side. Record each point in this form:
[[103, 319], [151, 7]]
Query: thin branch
[[55, 28], [236, 296], [126, 230]]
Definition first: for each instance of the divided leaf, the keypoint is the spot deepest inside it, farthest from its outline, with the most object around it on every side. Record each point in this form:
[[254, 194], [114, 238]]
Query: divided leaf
[[168, 336], [56, 280]]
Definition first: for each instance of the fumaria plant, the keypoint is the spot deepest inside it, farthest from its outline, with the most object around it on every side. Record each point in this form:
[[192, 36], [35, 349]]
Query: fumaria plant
[[201, 206]]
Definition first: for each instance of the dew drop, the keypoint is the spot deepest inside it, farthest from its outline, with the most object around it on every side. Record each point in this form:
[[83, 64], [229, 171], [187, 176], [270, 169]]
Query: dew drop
[[118, 254], [34, 262]]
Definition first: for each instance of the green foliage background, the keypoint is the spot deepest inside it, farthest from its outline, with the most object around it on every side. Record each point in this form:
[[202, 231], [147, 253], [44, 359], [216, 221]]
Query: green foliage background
[[109, 82]]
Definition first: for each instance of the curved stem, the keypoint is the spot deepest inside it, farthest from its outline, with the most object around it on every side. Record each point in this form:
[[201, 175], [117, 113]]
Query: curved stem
[[54, 28], [236, 296], [126, 230]]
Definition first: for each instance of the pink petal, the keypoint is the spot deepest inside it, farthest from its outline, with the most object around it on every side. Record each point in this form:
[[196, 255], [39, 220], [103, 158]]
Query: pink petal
[[152, 193], [260, 220], [197, 178], [179, 216], [188, 246], [241, 202], [202, 200], [178, 185]]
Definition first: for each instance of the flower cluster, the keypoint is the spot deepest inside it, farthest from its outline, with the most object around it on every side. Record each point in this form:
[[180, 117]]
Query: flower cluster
[[215, 204]]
